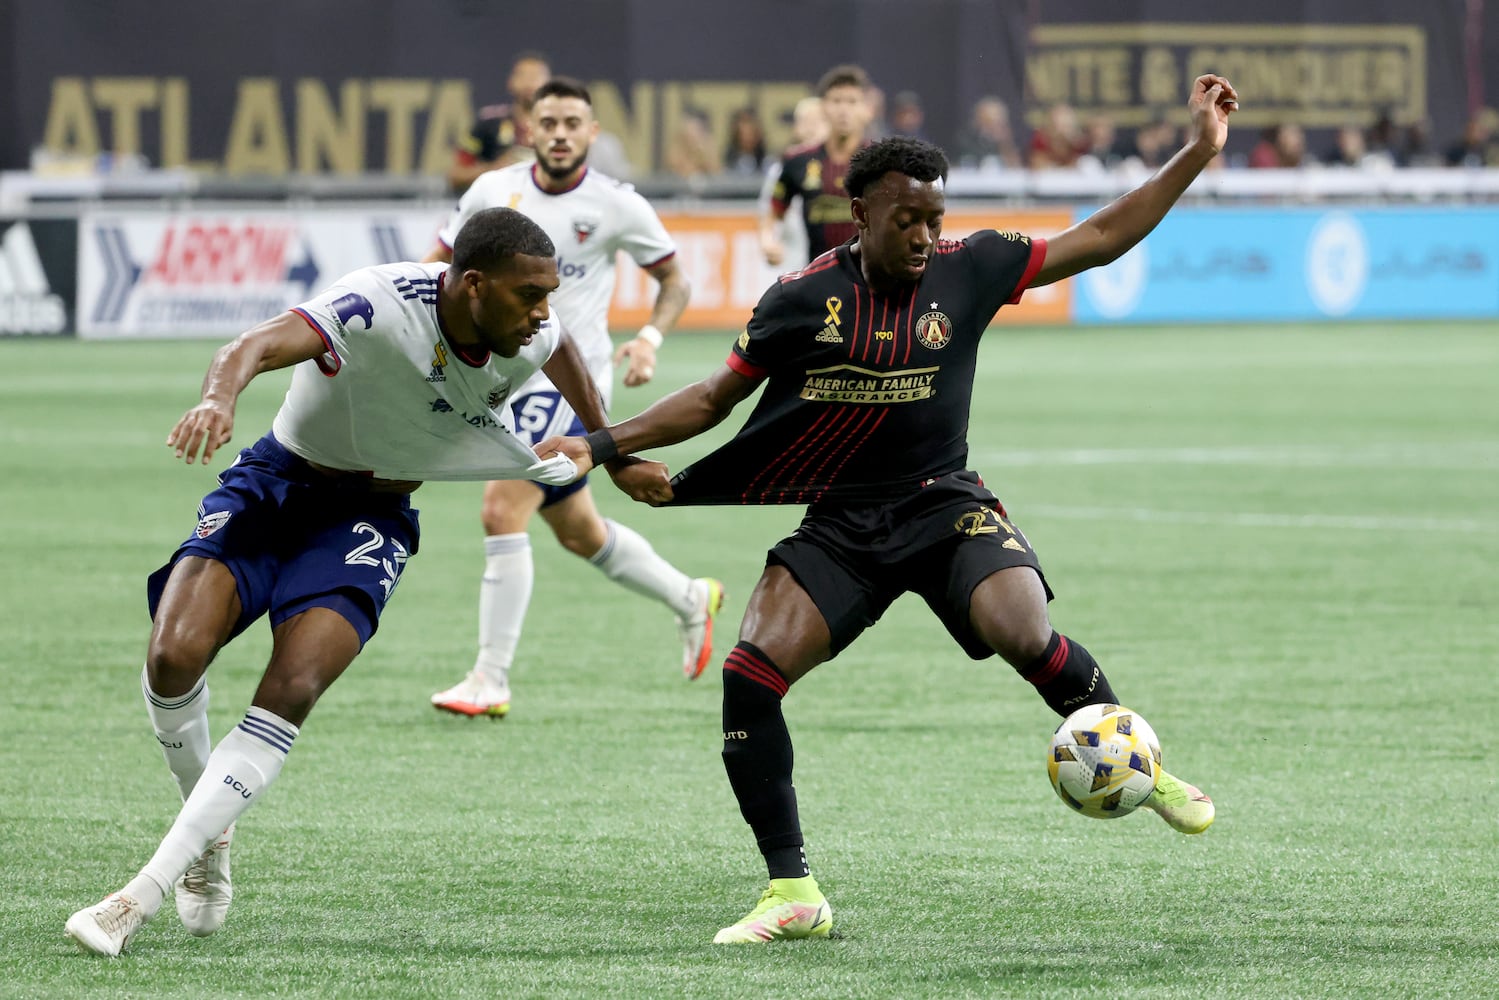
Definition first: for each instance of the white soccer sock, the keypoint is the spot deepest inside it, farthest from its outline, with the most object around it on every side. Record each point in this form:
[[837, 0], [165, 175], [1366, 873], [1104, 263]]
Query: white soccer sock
[[181, 725], [629, 561], [504, 595], [237, 773]]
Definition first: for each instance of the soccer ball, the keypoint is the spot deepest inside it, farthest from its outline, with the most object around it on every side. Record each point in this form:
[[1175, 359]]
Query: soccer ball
[[1104, 760]]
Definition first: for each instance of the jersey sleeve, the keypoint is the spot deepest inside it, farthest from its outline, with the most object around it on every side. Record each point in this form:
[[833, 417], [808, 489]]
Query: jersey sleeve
[[787, 183], [642, 234], [1004, 265], [339, 314], [768, 341], [472, 201]]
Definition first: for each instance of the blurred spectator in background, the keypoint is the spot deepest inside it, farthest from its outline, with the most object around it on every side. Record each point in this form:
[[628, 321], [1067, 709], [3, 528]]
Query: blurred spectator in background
[[1102, 152], [1059, 141], [502, 132], [879, 126], [1348, 148], [1149, 147], [987, 142], [814, 173], [809, 125], [907, 116], [1477, 147], [1417, 151], [745, 154], [1282, 146], [689, 152], [1383, 141]]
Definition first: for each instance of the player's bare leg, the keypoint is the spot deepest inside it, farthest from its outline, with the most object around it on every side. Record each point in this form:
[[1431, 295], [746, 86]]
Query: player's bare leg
[[628, 559], [783, 636], [1008, 610], [309, 652]]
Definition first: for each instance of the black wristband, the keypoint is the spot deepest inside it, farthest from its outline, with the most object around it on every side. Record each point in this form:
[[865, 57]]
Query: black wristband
[[601, 446]]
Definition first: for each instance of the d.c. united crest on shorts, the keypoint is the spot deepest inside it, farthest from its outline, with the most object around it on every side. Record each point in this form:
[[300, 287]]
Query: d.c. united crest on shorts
[[934, 330]]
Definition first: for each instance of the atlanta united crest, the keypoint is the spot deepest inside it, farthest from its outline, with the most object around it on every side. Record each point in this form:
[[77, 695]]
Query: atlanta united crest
[[934, 330]]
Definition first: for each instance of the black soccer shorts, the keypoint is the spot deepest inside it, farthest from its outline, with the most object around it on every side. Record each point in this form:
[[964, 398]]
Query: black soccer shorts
[[940, 542]]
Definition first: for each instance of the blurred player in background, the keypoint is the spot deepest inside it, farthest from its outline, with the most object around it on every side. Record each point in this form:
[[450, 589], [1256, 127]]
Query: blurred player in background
[[502, 132], [868, 358], [402, 372], [814, 173], [591, 218]]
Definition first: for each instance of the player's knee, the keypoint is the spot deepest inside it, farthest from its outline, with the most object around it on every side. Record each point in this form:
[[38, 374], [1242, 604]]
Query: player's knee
[[291, 697], [1018, 643], [579, 545], [176, 659]]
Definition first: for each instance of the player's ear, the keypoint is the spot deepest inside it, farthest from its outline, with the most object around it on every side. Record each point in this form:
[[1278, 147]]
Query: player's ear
[[861, 212]]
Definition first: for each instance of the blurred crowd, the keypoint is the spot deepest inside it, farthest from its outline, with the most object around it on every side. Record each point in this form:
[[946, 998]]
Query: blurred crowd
[[992, 138]]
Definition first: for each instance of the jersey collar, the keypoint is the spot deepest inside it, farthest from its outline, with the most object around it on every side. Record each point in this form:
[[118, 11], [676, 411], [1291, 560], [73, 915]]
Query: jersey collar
[[474, 357], [572, 187]]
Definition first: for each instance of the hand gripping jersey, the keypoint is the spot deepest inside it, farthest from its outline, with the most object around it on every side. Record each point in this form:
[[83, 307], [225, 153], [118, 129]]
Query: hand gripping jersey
[[394, 399], [589, 224], [868, 394]]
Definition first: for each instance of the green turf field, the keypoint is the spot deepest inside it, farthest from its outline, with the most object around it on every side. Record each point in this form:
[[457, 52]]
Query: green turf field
[[1280, 542]]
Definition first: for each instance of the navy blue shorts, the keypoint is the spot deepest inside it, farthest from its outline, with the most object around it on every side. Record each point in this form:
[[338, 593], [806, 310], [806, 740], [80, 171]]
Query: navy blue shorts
[[296, 538], [538, 416]]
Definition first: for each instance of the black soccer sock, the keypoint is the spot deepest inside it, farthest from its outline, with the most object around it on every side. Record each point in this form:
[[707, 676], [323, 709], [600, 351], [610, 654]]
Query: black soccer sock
[[1067, 677], [757, 756]]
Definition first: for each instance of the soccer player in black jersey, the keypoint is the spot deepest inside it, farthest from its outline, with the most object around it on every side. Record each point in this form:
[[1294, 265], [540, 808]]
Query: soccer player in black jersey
[[814, 172], [868, 356]]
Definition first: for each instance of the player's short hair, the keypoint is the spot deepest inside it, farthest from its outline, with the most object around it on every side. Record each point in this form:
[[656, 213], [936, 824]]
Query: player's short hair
[[563, 86], [494, 235], [898, 154], [532, 55], [846, 75]]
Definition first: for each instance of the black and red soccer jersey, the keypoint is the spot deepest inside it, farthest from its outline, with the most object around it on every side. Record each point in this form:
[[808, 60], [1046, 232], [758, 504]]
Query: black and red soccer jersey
[[868, 394], [498, 128], [808, 173]]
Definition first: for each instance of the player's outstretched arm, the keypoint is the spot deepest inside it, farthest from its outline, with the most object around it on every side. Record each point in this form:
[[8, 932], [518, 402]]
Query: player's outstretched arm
[[570, 375], [1108, 234], [281, 342], [683, 414]]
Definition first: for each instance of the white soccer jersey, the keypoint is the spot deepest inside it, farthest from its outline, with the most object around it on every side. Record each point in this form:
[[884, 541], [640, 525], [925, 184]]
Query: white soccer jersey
[[589, 223], [391, 396]]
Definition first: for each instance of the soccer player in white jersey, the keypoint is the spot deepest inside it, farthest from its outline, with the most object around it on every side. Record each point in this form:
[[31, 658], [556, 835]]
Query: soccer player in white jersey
[[591, 218], [402, 374]]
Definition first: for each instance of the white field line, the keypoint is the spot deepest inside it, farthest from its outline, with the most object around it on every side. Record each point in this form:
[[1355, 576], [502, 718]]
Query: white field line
[[1246, 519], [1471, 456]]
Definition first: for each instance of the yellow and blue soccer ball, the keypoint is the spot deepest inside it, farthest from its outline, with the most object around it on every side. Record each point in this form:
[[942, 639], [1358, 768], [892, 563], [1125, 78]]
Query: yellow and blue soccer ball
[[1103, 761]]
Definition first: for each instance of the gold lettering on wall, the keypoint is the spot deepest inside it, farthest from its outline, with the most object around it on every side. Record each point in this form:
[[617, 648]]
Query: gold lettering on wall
[[310, 125], [1316, 75]]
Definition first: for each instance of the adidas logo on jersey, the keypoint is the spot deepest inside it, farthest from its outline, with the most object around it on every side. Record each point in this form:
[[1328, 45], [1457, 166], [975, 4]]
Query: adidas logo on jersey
[[437, 375], [830, 335], [27, 302]]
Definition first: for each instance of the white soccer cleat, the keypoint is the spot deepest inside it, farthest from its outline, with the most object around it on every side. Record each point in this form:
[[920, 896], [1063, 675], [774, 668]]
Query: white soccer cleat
[[204, 891], [697, 631], [107, 927], [474, 695]]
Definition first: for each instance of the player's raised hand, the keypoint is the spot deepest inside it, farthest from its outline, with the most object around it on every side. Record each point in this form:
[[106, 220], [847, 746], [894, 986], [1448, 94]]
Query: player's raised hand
[[207, 426], [1213, 100]]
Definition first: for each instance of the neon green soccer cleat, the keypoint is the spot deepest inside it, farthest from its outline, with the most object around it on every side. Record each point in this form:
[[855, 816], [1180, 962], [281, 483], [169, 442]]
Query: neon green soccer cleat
[[1184, 808], [697, 631], [791, 908]]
